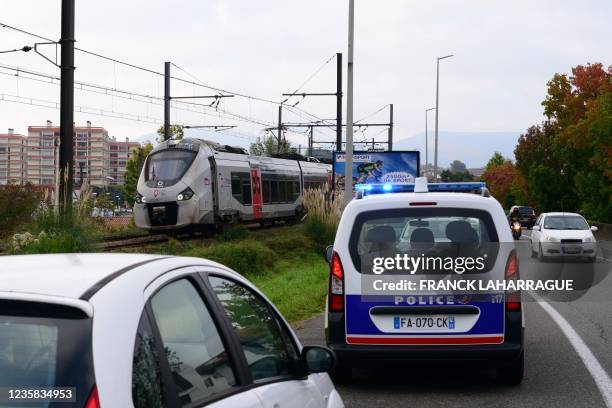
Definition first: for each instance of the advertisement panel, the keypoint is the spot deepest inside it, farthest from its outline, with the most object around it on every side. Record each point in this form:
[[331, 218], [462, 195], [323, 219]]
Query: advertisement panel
[[378, 167]]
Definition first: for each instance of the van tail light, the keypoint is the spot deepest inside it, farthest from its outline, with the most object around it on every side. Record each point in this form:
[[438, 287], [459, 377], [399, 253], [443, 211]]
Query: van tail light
[[336, 285], [513, 299], [93, 401]]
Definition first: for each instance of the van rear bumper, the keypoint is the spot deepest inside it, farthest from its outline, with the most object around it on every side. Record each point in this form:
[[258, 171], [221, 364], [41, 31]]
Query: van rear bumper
[[491, 355], [377, 356]]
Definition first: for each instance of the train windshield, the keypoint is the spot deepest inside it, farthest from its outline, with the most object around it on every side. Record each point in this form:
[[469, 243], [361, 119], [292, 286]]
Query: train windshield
[[168, 166]]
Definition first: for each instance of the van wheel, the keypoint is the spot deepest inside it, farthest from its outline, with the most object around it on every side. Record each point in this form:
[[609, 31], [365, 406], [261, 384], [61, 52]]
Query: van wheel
[[513, 373], [341, 374]]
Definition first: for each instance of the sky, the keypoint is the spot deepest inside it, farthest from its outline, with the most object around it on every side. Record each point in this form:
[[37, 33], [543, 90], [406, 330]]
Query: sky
[[504, 53]]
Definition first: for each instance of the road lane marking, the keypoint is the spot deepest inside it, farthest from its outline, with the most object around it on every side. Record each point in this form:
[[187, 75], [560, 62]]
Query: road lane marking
[[599, 374]]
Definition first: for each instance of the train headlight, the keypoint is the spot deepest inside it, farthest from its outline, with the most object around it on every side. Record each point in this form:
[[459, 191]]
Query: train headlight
[[140, 198], [184, 195]]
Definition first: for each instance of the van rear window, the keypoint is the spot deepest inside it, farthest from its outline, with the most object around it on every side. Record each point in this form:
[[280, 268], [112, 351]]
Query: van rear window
[[43, 345], [436, 233]]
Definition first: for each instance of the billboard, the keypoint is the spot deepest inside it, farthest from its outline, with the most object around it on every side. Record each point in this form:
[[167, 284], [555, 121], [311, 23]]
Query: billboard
[[378, 167]]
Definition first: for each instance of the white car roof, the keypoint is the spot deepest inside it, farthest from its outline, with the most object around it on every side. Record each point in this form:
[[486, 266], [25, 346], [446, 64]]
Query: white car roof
[[62, 275], [562, 214]]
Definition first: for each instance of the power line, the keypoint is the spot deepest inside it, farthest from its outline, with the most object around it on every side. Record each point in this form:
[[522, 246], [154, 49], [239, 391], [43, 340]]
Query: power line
[[311, 76], [372, 114], [145, 98]]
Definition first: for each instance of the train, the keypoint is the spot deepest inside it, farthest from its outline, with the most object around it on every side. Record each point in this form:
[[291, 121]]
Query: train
[[199, 184]]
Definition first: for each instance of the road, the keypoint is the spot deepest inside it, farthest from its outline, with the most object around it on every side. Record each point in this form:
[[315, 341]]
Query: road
[[555, 372]]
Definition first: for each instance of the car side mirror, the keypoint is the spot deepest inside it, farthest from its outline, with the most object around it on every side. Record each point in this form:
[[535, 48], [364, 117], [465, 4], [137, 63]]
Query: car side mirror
[[594, 228], [318, 359], [329, 253], [536, 228]]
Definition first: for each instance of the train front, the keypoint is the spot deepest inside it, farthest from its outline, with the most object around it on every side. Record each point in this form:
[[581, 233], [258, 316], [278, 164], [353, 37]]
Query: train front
[[175, 187]]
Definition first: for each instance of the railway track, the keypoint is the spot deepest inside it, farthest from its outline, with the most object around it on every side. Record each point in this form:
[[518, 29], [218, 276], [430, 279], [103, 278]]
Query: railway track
[[140, 240]]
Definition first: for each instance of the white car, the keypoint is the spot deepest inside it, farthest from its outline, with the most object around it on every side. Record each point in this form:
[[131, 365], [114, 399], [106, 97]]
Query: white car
[[122, 330], [368, 325], [563, 235]]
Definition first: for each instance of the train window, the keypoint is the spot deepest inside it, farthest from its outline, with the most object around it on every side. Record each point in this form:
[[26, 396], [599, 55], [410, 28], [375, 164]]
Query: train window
[[241, 187], [265, 191], [296, 190], [168, 166], [246, 191], [274, 191], [282, 191], [290, 194]]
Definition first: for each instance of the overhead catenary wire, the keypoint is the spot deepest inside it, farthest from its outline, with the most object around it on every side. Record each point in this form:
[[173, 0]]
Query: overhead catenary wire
[[197, 81]]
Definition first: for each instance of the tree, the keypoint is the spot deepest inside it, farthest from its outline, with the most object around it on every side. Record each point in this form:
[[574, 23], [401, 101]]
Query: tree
[[133, 169], [457, 166], [506, 184], [566, 159], [496, 160], [268, 146], [176, 132]]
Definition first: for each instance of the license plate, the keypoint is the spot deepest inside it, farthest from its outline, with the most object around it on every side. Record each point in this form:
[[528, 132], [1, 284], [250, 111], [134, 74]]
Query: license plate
[[424, 322], [572, 249], [158, 210]]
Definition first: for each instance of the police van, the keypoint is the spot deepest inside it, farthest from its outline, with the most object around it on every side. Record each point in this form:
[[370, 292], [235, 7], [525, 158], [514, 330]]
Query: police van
[[405, 268]]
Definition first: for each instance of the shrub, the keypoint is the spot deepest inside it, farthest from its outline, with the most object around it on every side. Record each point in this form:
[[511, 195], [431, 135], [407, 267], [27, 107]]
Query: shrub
[[246, 257], [18, 205], [323, 215], [51, 233]]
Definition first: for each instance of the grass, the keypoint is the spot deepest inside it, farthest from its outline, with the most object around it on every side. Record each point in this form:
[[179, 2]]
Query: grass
[[297, 287], [285, 263]]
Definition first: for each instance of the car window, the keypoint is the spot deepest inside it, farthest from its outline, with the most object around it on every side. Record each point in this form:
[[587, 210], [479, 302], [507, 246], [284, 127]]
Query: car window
[[565, 222], [195, 352], [268, 350], [433, 233], [147, 386], [45, 345]]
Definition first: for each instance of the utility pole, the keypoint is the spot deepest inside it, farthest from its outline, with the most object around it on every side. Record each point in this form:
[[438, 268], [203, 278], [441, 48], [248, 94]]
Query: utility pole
[[166, 100], [390, 142], [348, 162], [66, 108], [437, 110], [310, 141], [280, 127], [426, 141], [339, 102]]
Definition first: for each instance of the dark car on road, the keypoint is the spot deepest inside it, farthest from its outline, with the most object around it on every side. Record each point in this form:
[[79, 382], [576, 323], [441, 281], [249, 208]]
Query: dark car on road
[[526, 215]]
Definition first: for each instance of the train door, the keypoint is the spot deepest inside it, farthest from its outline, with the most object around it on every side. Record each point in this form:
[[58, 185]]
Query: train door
[[256, 193]]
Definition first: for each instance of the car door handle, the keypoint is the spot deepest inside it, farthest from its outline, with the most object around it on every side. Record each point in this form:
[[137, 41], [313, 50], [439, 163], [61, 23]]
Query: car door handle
[[425, 310]]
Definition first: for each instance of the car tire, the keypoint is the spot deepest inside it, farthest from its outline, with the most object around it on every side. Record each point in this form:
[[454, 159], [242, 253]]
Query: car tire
[[341, 374], [512, 374], [533, 253], [541, 254]]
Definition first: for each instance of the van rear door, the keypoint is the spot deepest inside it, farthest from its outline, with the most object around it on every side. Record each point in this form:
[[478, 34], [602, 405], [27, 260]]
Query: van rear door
[[393, 251]]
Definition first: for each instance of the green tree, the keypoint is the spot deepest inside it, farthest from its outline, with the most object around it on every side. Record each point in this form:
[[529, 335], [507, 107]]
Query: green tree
[[496, 160], [268, 146], [176, 132], [457, 166], [133, 169]]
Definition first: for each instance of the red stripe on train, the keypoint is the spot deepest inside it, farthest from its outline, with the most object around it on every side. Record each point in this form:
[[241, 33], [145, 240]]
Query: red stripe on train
[[425, 340]]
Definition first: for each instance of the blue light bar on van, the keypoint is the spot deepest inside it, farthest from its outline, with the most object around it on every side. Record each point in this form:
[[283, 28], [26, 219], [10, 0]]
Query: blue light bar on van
[[381, 188]]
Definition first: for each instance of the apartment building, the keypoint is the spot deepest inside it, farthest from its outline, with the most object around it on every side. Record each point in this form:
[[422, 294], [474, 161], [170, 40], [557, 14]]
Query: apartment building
[[92, 155], [13, 167], [120, 153]]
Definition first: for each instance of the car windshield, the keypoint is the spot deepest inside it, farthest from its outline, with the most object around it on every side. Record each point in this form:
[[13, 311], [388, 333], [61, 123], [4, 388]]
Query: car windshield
[[45, 346], [434, 233], [168, 166], [565, 222], [526, 210]]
